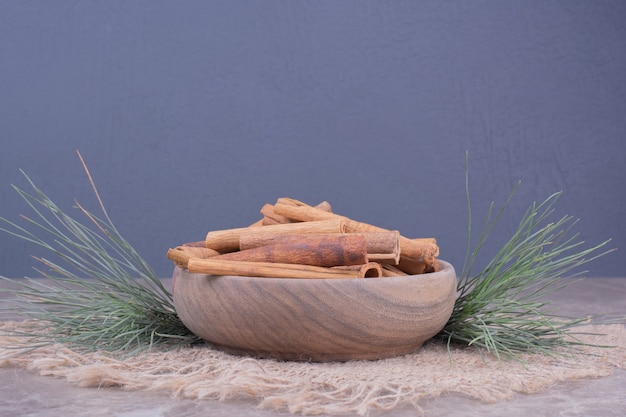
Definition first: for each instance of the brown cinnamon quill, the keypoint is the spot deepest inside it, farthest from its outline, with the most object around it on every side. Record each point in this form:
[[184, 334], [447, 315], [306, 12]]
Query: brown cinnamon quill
[[228, 240], [425, 249], [315, 249], [213, 266]]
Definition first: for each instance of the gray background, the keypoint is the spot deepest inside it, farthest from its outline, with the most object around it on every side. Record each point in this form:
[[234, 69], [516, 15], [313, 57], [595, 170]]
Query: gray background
[[192, 115]]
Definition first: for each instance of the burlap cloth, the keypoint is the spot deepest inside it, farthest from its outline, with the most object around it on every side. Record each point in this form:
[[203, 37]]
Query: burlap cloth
[[328, 388]]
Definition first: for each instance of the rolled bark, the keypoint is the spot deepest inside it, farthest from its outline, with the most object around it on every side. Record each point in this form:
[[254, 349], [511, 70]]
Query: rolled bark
[[325, 205], [214, 266], [180, 255], [392, 271], [412, 266], [319, 250], [228, 240], [381, 247], [197, 244], [413, 248], [270, 216], [299, 211], [368, 270], [435, 267]]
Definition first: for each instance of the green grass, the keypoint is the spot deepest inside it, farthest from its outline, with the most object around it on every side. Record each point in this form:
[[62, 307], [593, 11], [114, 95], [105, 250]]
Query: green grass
[[504, 309], [121, 306]]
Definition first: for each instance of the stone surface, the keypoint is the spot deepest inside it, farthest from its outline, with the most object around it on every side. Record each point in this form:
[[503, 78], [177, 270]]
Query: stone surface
[[23, 393]]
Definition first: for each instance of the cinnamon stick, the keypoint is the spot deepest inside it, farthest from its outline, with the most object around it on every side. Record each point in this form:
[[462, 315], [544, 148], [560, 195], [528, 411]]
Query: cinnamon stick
[[392, 271], [368, 270], [214, 266], [412, 266], [180, 255], [197, 244], [270, 216], [381, 247], [228, 240], [297, 210], [315, 249]]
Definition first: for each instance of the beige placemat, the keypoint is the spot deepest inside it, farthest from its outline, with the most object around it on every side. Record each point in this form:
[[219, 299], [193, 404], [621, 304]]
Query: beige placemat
[[329, 388]]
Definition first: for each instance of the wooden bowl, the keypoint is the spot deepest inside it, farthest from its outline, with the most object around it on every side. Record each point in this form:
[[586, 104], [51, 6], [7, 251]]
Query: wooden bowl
[[317, 320]]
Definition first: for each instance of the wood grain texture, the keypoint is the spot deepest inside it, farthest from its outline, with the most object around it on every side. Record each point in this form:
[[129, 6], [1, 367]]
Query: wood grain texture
[[316, 319]]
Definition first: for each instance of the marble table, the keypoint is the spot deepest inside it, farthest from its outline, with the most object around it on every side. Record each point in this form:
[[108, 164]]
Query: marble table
[[23, 393]]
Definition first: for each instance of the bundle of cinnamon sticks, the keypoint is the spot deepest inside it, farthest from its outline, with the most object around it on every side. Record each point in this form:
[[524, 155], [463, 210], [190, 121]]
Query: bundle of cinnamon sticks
[[296, 240]]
